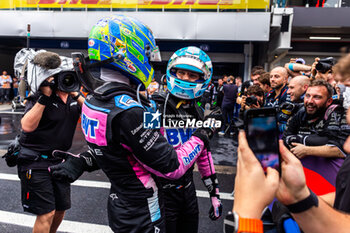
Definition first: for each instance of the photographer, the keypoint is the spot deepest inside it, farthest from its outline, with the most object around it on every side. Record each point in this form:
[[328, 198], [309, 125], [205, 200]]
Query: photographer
[[322, 69], [254, 99], [264, 82], [48, 124]]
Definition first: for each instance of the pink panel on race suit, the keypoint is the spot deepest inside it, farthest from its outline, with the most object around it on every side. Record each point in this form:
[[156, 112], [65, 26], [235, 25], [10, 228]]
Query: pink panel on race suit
[[94, 133], [142, 174], [186, 159], [205, 164]]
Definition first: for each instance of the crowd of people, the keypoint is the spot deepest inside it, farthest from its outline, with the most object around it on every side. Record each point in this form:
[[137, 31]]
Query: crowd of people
[[313, 212], [311, 102], [151, 168]]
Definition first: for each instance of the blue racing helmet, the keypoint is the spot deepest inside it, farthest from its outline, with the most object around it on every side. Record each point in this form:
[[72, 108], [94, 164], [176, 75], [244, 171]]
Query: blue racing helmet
[[192, 59]]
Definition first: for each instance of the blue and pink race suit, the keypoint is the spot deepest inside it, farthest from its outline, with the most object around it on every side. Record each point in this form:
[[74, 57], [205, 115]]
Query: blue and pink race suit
[[181, 207], [132, 158]]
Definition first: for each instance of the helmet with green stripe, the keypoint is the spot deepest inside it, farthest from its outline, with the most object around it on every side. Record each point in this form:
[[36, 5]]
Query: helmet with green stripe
[[126, 45]]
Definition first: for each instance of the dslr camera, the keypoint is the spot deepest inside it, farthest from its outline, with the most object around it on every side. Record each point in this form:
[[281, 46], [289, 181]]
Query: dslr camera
[[251, 100], [325, 64]]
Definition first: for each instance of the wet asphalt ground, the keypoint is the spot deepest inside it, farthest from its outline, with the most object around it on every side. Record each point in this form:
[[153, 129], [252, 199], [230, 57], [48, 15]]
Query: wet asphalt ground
[[89, 197]]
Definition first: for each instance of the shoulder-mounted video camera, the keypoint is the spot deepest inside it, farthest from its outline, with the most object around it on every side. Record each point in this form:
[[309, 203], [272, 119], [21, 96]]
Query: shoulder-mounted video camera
[[67, 81], [34, 67], [325, 64]]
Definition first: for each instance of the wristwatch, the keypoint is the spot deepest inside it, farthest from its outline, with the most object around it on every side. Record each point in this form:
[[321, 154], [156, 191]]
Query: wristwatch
[[304, 205], [240, 225]]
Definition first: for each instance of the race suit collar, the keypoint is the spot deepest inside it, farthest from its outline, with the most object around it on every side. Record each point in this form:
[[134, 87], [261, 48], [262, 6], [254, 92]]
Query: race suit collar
[[109, 75]]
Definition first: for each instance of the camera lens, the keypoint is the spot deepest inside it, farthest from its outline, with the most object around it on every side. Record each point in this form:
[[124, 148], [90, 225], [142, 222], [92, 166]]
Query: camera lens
[[251, 100], [68, 80]]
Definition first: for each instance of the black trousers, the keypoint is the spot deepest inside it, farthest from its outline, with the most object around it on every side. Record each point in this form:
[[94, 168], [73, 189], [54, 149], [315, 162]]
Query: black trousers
[[5, 94], [181, 209], [136, 216], [227, 113]]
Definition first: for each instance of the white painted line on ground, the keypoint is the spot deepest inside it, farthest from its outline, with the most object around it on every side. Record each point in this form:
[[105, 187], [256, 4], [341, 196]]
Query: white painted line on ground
[[10, 112], [4, 176], [223, 196], [92, 184], [66, 226], [107, 185]]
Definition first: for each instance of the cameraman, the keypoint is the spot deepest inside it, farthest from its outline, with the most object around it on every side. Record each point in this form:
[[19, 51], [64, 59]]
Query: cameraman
[[254, 99], [48, 124]]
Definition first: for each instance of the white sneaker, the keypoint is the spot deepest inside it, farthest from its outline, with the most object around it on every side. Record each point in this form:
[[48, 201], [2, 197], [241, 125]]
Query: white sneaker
[[221, 133]]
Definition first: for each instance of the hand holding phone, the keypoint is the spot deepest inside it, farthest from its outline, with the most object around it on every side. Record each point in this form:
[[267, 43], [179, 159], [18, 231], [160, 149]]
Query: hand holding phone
[[262, 135]]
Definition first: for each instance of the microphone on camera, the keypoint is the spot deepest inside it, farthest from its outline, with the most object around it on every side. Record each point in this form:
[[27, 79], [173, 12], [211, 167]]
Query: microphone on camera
[[47, 60]]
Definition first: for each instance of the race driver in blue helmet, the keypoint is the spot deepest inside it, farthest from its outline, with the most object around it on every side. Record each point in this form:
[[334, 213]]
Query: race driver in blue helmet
[[131, 154], [189, 73]]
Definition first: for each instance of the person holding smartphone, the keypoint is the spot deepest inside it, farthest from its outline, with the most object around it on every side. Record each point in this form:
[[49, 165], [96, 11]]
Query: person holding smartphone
[[313, 214]]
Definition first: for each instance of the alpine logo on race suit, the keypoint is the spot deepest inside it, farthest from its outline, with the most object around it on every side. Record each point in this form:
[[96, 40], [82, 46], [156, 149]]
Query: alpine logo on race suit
[[177, 137]]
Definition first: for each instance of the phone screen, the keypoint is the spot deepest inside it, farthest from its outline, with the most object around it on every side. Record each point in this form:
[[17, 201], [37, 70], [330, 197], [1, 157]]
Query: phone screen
[[262, 136]]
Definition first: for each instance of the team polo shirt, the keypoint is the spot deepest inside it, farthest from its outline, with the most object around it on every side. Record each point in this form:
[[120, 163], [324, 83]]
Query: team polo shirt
[[56, 127]]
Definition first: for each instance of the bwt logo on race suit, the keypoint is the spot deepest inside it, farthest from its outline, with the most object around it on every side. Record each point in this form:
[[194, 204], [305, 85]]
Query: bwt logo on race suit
[[151, 120], [191, 155], [179, 136], [89, 126]]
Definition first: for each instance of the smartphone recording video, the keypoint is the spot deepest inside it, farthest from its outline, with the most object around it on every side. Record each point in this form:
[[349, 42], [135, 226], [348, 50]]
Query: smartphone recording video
[[262, 135]]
